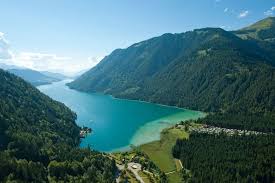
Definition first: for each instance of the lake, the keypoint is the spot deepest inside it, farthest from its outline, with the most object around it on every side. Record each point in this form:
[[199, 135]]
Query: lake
[[117, 123]]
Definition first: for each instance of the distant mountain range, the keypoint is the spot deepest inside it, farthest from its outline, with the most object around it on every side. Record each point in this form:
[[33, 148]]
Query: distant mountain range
[[34, 77], [6, 66], [230, 73], [54, 75]]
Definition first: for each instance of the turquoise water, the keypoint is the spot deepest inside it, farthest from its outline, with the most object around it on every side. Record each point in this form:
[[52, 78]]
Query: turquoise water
[[117, 123]]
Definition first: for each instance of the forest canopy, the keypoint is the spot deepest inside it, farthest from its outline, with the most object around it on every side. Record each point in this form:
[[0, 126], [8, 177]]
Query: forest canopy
[[39, 139]]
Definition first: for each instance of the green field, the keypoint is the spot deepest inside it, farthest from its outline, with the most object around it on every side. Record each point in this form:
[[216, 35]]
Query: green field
[[160, 152], [174, 177], [146, 177]]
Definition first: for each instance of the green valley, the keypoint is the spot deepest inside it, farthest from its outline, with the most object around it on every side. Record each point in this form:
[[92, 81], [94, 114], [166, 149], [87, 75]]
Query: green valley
[[147, 91]]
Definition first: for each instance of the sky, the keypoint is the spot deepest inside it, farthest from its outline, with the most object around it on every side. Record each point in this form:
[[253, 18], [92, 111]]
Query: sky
[[68, 36]]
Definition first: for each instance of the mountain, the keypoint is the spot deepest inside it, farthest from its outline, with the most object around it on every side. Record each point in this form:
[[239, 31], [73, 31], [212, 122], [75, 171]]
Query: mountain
[[54, 75], [34, 77], [262, 33], [6, 66], [262, 30], [230, 76], [39, 139], [79, 73]]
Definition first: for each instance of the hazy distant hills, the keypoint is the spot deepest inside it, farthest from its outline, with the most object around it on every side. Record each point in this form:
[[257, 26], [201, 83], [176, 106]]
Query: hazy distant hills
[[208, 69], [34, 77], [54, 75], [6, 67]]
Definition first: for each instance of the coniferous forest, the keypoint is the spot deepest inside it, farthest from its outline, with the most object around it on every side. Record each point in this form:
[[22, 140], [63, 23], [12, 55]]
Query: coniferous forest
[[223, 158], [229, 74], [39, 139]]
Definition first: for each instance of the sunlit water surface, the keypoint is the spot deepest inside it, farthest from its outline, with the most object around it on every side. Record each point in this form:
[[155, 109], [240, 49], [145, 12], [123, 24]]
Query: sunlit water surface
[[117, 123]]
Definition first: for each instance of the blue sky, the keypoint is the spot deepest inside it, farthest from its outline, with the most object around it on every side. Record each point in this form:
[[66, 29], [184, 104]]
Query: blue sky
[[50, 33]]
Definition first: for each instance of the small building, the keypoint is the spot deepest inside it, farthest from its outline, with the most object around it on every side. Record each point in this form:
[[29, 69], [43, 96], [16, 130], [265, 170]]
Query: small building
[[134, 166]]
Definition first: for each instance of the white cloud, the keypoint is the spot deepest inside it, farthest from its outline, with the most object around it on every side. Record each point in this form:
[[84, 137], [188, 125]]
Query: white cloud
[[40, 61], [243, 14], [5, 52], [270, 11], [225, 27], [44, 61], [40, 56], [225, 10], [54, 63]]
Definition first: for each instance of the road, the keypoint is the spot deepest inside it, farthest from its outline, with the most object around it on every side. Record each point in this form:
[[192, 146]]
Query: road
[[135, 170], [120, 168]]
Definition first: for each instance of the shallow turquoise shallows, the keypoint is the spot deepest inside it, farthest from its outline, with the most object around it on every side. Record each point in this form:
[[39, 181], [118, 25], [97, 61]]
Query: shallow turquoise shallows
[[117, 123]]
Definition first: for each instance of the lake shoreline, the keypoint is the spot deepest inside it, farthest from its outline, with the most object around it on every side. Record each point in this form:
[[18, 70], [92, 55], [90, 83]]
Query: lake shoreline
[[134, 100], [128, 121]]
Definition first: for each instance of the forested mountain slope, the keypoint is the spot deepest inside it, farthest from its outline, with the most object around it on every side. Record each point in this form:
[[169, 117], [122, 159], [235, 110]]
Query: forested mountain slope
[[34, 77], [39, 139], [206, 69], [263, 33]]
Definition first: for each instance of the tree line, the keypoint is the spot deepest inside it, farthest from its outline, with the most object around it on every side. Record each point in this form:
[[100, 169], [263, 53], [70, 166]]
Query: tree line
[[223, 158]]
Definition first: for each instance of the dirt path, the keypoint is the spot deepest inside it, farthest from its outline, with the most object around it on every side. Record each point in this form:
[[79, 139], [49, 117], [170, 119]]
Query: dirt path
[[180, 164], [135, 170], [167, 173]]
